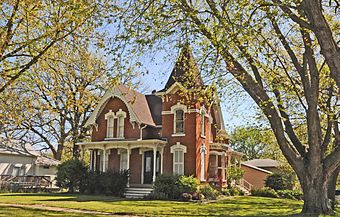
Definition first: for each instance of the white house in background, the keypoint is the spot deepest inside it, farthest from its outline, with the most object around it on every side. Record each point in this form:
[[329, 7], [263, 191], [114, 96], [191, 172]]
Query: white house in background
[[21, 160]]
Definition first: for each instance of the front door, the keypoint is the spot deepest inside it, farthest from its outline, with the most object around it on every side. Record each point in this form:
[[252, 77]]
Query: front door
[[148, 167]]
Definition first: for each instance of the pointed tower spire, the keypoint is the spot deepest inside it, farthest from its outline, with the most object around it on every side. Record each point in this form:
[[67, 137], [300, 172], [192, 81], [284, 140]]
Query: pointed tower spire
[[185, 70]]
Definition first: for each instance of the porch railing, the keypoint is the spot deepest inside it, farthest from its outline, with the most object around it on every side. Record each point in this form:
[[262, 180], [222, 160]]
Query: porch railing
[[245, 184], [26, 182]]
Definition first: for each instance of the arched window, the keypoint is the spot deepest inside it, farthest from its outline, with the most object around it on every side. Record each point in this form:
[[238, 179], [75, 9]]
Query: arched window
[[110, 118], [121, 115], [178, 152], [179, 121]]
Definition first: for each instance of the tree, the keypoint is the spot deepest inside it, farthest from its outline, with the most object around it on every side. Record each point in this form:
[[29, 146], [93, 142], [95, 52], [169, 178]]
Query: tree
[[59, 96], [283, 54], [29, 29], [248, 141]]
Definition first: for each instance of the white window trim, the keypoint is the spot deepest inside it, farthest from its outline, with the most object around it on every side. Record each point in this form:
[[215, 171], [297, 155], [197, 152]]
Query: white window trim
[[182, 148], [109, 115], [173, 110], [121, 152], [202, 124], [119, 114], [203, 161]]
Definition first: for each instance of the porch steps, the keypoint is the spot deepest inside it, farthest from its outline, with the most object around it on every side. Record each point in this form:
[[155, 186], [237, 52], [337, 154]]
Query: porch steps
[[138, 193]]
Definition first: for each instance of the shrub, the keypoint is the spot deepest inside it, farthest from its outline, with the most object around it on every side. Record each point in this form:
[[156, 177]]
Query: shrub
[[188, 184], [264, 192], [209, 192], [233, 191], [70, 173], [110, 182], [167, 184], [279, 181], [290, 194], [234, 173], [186, 197]]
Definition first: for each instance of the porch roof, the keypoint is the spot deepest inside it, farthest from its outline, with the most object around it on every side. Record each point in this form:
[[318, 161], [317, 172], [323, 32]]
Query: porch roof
[[109, 144]]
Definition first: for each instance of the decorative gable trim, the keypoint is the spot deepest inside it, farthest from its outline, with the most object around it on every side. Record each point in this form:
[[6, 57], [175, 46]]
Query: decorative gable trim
[[114, 93]]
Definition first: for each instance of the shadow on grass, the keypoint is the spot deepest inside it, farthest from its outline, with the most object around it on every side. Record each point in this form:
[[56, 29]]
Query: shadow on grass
[[237, 207]]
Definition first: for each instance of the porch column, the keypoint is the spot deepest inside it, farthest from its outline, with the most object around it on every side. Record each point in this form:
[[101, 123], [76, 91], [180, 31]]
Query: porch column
[[91, 160], [94, 159], [128, 163], [162, 152], [154, 163], [223, 166], [104, 160]]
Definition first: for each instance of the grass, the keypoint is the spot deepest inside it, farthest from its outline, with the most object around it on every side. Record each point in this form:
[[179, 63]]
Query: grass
[[232, 206], [13, 212]]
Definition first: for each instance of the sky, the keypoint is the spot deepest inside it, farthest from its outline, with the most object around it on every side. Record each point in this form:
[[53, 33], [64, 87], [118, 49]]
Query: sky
[[237, 111]]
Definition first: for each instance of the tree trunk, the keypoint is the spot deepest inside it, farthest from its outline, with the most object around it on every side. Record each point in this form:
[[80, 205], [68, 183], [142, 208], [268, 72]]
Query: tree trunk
[[332, 187], [315, 195]]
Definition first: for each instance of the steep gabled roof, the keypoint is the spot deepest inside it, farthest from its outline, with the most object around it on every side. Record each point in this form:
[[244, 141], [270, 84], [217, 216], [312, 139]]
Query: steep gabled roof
[[136, 102], [139, 104], [185, 70]]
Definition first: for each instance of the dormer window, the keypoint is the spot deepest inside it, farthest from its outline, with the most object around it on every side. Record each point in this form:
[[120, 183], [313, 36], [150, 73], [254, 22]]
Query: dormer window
[[121, 115], [110, 118], [179, 121]]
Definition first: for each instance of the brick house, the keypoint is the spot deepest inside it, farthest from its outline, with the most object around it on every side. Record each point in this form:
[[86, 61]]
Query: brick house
[[164, 132]]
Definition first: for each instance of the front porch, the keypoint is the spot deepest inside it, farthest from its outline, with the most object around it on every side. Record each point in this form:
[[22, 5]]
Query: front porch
[[143, 158]]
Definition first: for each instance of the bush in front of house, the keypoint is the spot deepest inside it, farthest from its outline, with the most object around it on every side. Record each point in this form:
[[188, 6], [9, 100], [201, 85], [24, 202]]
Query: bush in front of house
[[166, 184], [232, 191], [188, 184], [264, 192], [70, 173], [279, 181], [169, 186], [209, 192], [110, 182]]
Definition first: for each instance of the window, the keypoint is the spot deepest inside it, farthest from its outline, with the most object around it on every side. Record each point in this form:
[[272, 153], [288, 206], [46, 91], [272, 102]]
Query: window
[[110, 127], [178, 151], [110, 118], [123, 160], [120, 127], [179, 121], [202, 123], [121, 115]]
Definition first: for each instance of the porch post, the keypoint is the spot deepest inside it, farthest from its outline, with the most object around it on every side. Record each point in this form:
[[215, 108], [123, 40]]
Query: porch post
[[128, 164], [223, 166], [95, 159], [154, 163], [104, 159], [91, 160], [162, 152]]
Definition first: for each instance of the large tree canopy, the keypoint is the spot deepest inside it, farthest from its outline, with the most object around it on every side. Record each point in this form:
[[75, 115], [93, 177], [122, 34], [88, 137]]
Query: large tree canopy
[[285, 56], [28, 29]]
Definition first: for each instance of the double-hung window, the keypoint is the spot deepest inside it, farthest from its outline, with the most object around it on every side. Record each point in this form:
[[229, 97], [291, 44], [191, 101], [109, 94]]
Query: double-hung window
[[178, 152], [179, 121]]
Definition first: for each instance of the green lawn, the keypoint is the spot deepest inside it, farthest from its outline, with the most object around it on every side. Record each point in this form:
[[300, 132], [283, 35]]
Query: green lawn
[[14, 212], [233, 206]]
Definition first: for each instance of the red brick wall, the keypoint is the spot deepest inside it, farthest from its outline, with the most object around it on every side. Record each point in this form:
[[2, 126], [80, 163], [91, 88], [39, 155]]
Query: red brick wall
[[114, 160], [135, 166], [255, 177], [114, 104]]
